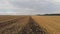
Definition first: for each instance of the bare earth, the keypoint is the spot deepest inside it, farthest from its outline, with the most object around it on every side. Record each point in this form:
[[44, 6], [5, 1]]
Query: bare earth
[[29, 24]]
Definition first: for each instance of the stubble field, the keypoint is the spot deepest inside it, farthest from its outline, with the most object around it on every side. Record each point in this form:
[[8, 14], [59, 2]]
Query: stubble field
[[51, 23], [29, 24]]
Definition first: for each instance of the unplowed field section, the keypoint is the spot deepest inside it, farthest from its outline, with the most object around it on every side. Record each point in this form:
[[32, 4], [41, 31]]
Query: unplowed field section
[[51, 23]]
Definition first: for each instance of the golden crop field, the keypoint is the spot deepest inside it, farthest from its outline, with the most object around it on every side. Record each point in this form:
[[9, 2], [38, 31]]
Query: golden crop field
[[29, 24], [50, 23]]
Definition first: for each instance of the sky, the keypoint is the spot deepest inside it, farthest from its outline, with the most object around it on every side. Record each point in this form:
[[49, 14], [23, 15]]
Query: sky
[[29, 7]]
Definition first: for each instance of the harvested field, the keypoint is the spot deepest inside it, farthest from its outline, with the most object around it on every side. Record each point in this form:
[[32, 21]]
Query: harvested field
[[4, 18], [29, 24], [15, 27], [20, 25], [50, 23]]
